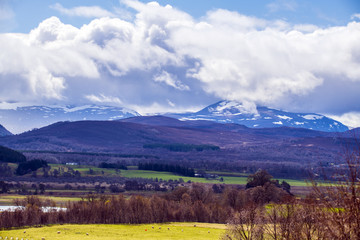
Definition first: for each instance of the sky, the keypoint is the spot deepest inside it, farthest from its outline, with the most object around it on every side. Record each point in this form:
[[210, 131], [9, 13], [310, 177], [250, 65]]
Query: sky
[[176, 56]]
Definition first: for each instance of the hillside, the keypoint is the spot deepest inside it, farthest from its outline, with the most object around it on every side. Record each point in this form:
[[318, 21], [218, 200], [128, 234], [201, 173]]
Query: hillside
[[284, 150]]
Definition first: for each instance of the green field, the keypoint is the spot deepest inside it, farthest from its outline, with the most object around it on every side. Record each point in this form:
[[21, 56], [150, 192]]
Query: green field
[[162, 175], [234, 179], [132, 172], [84, 170], [109, 232]]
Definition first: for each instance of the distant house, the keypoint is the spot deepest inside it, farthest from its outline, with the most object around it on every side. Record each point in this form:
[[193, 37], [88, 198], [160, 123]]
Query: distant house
[[72, 163]]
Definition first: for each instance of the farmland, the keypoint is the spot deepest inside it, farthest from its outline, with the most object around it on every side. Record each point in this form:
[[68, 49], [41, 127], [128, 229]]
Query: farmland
[[94, 180], [133, 172], [104, 232]]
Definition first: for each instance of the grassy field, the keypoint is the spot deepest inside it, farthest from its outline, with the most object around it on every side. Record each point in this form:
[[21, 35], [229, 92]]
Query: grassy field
[[84, 170], [234, 179], [126, 232], [162, 175], [132, 172]]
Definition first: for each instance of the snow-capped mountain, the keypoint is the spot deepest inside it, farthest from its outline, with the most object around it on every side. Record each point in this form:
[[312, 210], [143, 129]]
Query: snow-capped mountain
[[4, 131], [26, 118], [263, 117]]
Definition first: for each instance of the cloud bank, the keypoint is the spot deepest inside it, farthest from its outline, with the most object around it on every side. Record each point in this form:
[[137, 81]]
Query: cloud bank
[[166, 58]]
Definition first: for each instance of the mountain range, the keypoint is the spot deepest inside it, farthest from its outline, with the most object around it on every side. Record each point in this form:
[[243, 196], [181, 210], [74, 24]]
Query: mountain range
[[131, 134], [24, 119], [262, 117]]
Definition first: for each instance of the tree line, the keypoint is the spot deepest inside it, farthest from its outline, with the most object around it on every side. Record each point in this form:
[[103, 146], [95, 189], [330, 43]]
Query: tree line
[[12, 156], [161, 167], [117, 165], [30, 166], [180, 147]]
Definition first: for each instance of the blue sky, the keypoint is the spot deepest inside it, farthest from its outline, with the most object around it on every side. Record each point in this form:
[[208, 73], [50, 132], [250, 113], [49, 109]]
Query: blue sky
[[171, 56], [28, 14]]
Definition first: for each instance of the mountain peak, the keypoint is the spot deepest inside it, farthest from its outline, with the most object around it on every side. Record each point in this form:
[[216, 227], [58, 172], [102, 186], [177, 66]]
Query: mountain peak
[[226, 107], [263, 117], [4, 131]]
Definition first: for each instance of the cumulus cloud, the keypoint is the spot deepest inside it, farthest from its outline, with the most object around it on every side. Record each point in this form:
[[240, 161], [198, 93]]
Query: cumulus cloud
[[165, 56], [83, 11]]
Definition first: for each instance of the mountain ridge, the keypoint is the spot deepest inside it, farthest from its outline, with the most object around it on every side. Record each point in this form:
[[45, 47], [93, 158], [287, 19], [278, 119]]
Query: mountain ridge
[[262, 117], [27, 118]]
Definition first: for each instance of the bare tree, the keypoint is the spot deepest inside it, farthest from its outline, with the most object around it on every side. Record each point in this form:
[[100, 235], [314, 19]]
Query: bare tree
[[339, 201], [246, 224]]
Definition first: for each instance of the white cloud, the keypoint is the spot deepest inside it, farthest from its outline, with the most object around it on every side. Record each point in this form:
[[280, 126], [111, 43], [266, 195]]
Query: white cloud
[[306, 28], [164, 55], [171, 103], [170, 80], [159, 108], [45, 84], [355, 16], [83, 11], [350, 119], [278, 5], [104, 99]]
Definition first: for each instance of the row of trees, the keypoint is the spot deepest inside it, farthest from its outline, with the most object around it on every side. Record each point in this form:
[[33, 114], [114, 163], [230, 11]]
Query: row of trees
[[180, 147], [117, 165], [160, 167]]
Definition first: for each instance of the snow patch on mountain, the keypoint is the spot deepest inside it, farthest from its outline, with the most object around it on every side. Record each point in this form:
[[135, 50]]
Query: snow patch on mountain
[[284, 117], [312, 117], [69, 109]]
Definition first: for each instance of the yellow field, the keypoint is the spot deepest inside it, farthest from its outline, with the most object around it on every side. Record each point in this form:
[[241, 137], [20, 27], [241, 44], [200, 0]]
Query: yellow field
[[171, 231]]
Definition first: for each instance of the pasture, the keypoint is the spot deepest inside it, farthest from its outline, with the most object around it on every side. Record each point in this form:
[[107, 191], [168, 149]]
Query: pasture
[[172, 231], [234, 178]]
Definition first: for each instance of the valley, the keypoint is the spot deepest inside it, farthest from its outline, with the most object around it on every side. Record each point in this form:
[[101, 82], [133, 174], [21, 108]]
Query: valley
[[101, 171]]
